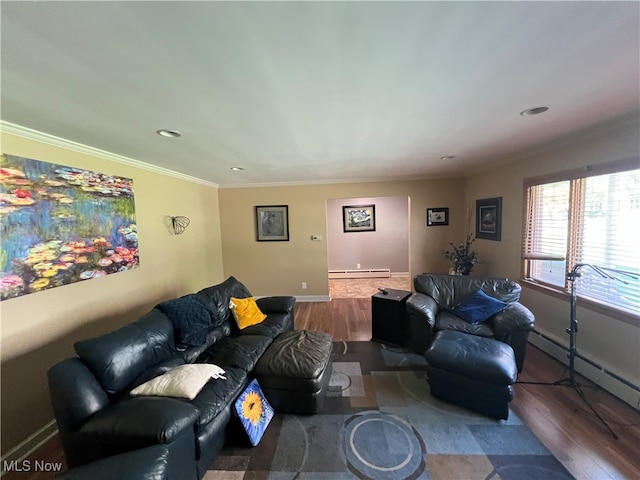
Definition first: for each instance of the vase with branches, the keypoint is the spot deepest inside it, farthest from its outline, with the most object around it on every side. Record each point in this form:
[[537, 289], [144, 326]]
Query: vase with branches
[[461, 257]]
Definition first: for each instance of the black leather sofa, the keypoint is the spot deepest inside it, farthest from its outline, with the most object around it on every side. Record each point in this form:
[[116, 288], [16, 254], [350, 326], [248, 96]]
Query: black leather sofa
[[429, 311], [98, 418]]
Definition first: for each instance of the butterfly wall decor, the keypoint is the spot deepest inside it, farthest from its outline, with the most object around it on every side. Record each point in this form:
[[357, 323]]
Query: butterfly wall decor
[[179, 224]]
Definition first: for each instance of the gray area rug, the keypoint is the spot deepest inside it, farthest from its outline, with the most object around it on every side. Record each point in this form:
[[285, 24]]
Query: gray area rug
[[380, 422]]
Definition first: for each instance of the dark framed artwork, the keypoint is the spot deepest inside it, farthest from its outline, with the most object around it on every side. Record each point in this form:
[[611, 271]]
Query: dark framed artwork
[[359, 218], [272, 223], [437, 216], [489, 218]]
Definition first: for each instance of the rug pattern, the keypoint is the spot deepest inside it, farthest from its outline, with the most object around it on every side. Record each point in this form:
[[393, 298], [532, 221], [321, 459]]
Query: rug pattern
[[380, 422]]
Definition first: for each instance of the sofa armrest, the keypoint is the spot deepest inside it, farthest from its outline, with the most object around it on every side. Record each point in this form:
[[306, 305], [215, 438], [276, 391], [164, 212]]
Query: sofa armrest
[[515, 317], [512, 326], [423, 306], [142, 421], [281, 304], [421, 315], [75, 393], [148, 463]]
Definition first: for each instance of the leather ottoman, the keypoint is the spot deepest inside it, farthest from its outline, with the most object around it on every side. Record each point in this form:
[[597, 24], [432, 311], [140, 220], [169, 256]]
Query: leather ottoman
[[294, 371], [471, 371]]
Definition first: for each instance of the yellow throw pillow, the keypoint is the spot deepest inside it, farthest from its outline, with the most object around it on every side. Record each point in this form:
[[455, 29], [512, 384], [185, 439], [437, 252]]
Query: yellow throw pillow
[[246, 312]]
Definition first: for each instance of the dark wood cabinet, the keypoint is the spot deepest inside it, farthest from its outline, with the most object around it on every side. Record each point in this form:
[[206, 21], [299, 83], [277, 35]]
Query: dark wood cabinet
[[388, 316]]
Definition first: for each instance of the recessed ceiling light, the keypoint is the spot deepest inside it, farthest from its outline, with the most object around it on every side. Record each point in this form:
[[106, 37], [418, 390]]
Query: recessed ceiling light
[[237, 169], [169, 133], [533, 111], [448, 157]]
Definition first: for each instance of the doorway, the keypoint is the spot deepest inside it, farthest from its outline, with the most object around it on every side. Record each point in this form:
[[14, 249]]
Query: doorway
[[360, 262]]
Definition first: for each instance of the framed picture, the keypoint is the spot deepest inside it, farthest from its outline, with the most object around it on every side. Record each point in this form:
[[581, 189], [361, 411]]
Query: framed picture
[[489, 218], [272, 223], [359, 218], [437, 216]]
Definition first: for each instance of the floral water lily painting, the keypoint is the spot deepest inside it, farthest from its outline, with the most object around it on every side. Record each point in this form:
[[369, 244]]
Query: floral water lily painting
[[62, 225]]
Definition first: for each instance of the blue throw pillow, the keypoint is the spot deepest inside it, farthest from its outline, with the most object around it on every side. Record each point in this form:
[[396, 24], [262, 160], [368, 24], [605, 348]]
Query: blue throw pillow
[[254, 411], [478, 307]]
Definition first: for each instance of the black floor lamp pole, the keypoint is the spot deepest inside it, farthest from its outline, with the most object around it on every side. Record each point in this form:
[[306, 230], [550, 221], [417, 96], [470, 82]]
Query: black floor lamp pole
[[570, 381]]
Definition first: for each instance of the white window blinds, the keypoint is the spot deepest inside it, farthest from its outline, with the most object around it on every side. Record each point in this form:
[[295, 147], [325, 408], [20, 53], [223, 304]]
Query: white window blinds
[[593, 220], [610, 237]]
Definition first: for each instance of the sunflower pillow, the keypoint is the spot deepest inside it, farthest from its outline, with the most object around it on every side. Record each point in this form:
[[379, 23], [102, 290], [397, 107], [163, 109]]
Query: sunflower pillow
[[254, 412]]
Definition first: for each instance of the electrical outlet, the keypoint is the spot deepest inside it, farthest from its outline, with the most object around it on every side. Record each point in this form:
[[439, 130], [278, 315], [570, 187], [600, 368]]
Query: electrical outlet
[[304, 285], [357, 265]]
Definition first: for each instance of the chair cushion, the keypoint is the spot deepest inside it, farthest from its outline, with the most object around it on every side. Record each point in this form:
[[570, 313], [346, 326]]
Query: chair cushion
[[272, 326], [242, 351], [216, 396], [448, 321]]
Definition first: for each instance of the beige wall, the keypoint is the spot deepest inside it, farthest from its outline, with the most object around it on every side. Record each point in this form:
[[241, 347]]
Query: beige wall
[[273, 268], [39, 329], [604, 339]]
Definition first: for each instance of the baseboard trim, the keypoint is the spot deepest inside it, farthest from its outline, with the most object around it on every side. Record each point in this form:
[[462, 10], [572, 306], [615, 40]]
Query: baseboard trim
[[29, 445], [612, 382], [313, 298], [399, 274], [360, 273]]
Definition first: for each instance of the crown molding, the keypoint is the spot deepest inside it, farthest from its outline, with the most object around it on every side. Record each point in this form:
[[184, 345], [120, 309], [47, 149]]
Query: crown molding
[[42, 137]]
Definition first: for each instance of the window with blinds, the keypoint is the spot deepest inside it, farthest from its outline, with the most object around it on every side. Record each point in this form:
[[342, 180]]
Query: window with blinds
[[587, 218]]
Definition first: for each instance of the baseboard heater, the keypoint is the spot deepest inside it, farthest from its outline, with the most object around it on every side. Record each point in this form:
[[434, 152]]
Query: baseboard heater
[[616, 385], [361, 273]]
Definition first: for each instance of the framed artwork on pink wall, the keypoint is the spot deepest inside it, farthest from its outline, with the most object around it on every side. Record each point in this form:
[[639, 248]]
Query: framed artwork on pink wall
[[359, 218]]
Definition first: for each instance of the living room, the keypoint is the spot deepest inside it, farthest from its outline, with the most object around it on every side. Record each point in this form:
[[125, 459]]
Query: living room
[[39, 329]]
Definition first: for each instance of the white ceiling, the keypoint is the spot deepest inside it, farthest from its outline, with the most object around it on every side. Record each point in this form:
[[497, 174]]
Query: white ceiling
[[318, 91]]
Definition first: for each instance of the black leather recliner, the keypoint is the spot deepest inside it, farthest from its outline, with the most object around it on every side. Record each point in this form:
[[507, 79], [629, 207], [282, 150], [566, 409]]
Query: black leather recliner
[[429, 311], [96, 416]]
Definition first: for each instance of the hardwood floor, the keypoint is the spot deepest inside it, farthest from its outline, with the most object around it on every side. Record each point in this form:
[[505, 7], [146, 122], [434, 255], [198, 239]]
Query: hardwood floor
[[555, 414]]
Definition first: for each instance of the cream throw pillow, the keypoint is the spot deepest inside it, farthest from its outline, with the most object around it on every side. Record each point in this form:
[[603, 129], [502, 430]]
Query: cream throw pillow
[[184, 381]]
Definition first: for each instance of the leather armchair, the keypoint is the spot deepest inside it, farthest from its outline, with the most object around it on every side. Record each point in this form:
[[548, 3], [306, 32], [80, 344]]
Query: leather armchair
[[429, 311]]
